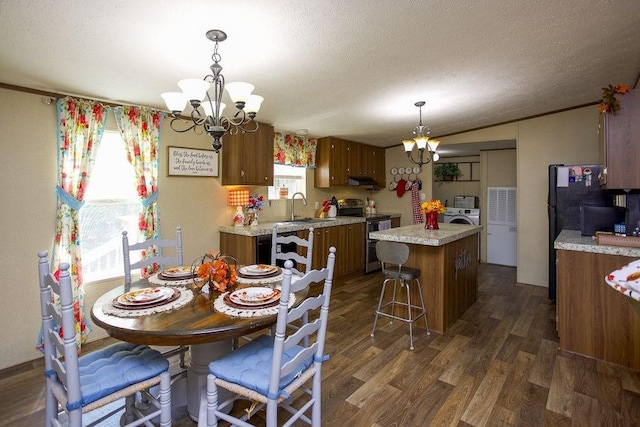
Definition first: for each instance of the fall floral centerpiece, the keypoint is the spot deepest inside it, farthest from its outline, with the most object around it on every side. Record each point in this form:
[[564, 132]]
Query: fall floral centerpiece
[[609, 103], [215, 269], [255, 205], [431, 209]]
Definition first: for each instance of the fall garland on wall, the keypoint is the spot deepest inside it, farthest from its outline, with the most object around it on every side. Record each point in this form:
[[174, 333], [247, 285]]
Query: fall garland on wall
[[609, 103]]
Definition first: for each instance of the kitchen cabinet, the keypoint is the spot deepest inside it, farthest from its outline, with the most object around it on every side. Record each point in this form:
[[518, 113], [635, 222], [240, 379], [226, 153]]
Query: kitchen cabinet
[[619, 136], [247, 158], [593, 319], [338, 159], [242, 248], [349, 243]]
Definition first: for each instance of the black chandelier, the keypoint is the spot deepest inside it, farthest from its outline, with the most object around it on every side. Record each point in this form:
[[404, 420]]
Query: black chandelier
[[207, 114], [421, 139]]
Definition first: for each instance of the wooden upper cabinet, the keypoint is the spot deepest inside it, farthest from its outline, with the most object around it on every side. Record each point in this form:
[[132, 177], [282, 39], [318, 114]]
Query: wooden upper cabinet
[[338, 159], [620, 144], [247, 158]]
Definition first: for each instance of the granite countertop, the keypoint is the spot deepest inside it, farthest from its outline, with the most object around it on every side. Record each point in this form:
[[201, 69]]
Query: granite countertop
[[266, 228], [417, 235], [573, 240]]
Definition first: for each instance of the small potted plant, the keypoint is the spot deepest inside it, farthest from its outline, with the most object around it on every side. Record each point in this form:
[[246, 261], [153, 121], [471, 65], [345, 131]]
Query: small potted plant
[[446, 171]]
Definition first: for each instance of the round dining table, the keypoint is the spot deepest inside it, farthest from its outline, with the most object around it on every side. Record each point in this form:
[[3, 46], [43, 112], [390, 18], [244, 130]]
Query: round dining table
[[209, 334]]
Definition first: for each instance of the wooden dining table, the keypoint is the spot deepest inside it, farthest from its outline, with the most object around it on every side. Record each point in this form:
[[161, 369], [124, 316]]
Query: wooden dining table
[[209, 334]]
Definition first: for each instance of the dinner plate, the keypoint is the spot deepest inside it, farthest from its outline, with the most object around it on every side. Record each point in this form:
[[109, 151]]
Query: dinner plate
[[177, 272], [627, 276], [145, 296], [258, 269], [254, 296]]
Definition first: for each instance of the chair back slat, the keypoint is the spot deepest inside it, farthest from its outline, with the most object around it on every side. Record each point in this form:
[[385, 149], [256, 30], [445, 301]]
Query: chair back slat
[[307, 305], [295, 363], [159, 259], [303, 245]]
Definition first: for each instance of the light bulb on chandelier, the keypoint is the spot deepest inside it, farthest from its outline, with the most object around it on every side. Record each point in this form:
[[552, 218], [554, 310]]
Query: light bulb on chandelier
[[207, 113], [421, 139]]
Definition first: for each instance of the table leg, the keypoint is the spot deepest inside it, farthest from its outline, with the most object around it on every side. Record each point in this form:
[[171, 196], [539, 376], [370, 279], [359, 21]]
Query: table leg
[[201, 355]]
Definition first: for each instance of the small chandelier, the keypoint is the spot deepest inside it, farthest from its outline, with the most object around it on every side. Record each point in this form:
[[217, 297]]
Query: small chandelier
[[421, 139], [210, 117]]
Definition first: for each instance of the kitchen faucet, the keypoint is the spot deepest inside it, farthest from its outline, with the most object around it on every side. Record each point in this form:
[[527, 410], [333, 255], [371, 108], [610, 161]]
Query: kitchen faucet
[[304, 200]]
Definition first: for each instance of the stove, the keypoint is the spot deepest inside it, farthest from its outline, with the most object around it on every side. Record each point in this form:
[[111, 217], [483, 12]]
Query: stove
[[356, 208]]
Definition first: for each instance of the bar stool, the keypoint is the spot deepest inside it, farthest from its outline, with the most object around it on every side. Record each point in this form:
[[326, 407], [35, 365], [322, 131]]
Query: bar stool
[[393, 255]]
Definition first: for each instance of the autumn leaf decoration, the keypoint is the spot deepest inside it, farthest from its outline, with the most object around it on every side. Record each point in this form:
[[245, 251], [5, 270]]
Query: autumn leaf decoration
[[609, 103]]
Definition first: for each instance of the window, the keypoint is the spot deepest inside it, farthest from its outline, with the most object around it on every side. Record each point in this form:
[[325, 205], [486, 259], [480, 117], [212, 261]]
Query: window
[[291, 178], [111, 206]]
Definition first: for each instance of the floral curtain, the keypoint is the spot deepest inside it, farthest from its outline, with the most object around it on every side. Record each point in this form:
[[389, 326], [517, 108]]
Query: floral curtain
[[80, 126], [140, 130], [294, 150]]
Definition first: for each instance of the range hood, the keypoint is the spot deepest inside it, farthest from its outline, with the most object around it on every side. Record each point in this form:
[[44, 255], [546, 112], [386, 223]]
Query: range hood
[[362, 180]]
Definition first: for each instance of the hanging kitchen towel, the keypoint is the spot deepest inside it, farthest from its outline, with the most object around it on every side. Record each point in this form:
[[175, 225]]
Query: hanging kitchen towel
[[415, 201], [402, 187]]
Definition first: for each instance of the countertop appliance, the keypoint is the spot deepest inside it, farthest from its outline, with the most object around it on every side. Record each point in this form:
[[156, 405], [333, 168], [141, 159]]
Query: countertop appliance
[[570, 186], [467, 202], [374, 222]]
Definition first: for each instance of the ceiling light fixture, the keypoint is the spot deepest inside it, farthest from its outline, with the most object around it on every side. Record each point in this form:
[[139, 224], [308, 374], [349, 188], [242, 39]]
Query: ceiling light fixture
[[421, 139], [207, 114]]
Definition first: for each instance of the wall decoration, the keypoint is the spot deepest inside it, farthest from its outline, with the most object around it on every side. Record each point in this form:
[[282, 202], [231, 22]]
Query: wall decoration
[[184, 161]]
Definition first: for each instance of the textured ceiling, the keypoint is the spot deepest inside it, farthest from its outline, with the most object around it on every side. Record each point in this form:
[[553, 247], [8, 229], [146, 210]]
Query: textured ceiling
[[352, 69]]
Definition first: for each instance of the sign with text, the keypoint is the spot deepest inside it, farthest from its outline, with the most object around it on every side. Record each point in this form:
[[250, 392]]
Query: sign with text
[[192, 162]]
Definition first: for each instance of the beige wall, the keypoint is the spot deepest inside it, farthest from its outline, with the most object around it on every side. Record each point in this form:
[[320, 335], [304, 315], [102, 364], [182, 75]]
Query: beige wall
[[27, 140]]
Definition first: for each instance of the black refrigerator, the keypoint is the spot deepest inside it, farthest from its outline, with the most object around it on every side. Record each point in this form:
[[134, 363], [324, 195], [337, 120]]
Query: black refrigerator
[[570, 186]]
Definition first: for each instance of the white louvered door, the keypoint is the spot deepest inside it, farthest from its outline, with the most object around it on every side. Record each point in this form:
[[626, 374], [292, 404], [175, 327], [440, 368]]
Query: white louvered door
[[501, 226]]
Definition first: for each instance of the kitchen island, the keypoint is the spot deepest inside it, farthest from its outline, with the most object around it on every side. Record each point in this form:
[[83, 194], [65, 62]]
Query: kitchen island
[[448, 260], [594, 319]]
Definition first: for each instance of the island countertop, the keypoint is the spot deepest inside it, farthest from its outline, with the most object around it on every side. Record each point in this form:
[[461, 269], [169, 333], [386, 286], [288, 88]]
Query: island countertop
[[573, 240], [266, 228], [417, 235]]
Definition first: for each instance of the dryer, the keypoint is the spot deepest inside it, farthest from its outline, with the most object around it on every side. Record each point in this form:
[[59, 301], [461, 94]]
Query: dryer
[[462, 216]]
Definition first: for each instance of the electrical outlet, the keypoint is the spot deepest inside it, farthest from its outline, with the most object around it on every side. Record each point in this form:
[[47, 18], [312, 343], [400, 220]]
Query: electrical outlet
[[423, 196], [316, 205]]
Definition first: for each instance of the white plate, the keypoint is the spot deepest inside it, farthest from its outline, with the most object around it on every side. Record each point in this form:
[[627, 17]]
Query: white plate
[[627, 276], [258, 269], [145, 296], [254, 296], [177, 272], [416, 169]]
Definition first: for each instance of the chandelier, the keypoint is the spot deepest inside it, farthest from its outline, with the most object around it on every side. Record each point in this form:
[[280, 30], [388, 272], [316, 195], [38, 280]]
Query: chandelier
[[207, 113], [421, 139]]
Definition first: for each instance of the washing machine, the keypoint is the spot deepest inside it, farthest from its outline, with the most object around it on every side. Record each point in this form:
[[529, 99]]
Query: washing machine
[[462, 216]]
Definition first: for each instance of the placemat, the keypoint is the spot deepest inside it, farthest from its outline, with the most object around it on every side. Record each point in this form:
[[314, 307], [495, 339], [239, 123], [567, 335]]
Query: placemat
[[186, 295], [220, 305]]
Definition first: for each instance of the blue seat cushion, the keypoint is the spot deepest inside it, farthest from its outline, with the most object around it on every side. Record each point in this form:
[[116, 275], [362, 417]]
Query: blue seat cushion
[[250, 365], [115, 367]]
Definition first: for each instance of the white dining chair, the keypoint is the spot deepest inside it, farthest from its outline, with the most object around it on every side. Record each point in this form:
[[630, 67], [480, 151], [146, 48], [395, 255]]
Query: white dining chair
[[303, 246], [78, 385], [275, 371], [159, 259]]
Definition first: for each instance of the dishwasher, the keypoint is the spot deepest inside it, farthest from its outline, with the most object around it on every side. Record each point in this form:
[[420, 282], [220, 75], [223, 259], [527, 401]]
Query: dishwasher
[[263, 249]]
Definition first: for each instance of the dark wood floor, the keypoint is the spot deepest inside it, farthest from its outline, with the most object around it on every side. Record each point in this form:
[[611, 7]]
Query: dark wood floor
[[498, 365]]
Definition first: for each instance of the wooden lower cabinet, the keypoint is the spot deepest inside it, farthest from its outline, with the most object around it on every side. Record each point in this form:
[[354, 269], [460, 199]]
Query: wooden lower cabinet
[[593, 319], [349, 243], [347, 239]]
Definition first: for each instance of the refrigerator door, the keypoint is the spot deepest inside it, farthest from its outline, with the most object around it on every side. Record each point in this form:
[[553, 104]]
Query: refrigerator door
[[570, 186]]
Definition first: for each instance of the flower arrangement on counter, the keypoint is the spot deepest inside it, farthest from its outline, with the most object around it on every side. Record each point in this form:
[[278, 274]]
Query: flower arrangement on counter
[[432, 206], [609, 103], [256, 202], [215, 270]]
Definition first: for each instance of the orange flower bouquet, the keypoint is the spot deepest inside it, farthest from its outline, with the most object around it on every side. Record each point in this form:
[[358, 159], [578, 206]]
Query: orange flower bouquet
[[431, 209], [215, 269], [432, 206]]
